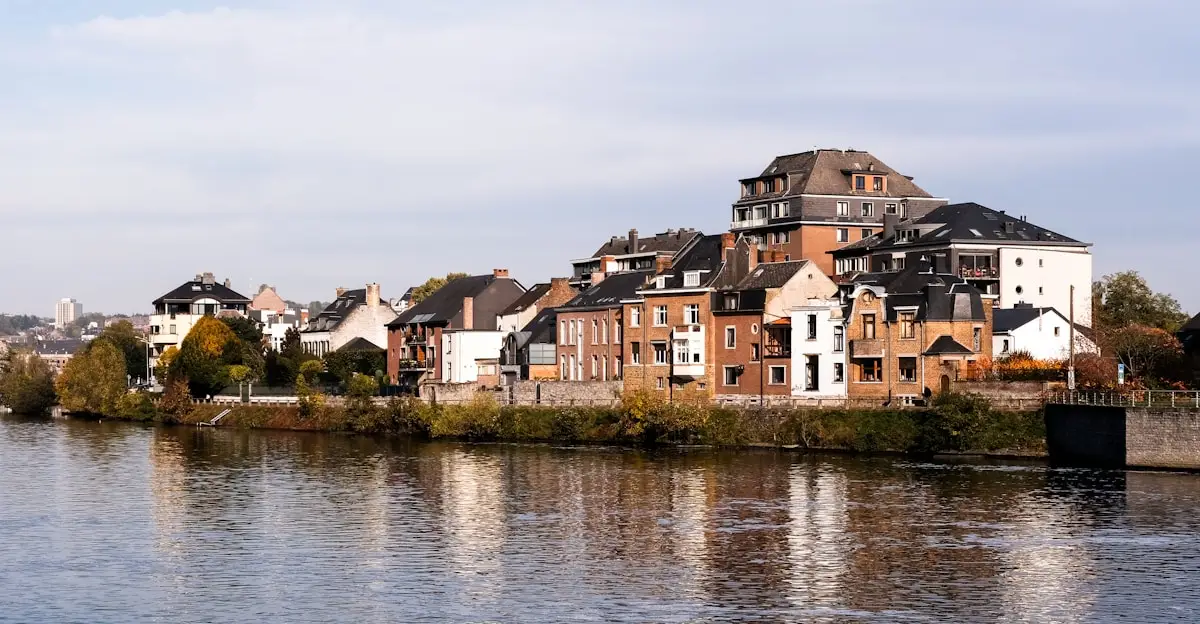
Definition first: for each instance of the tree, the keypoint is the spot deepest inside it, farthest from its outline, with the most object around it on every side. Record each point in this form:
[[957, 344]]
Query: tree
[[1124, 299], [93, 381], [246, 329], [162, 370], [342, 365], [1151, 355], [432, 285], [123, 336], [206, 354], [26, 383], [13, 324]]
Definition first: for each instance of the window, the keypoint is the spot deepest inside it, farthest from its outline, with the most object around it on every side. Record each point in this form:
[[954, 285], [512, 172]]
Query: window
[[839, 339], [877, 183], [868, 209], [635, 316], [1020, 290], [780, 209], [843, 235], [860, 183], [1020, 262], [635, 352], [768, 186], [839, 372], [778, 375], [1041, 262], [868, 326], [172, 329], [683, 352], [907, 325], [691, 279], [730, 376], [870, 370], [660, 352], [1004, 346], [754, 329], [660, 316], [574, 371], [731, 302], [812, 326], [595, 370], [1057, 330], [866, 233], [595, 331], [1040, 291], [617, 367], [897, 264], [812, 372], [843, 209], [730, 337], [616, 337], [604, 331], [749, 188], [604, 368], [660, 383], [783, 237], [889, 209], [562, 373], [755, 354], [691, 314], [660, 282], [976, 339], [908, 369]]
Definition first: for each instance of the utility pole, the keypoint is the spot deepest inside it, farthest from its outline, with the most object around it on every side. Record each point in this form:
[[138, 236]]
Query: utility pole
[[1071, 347]]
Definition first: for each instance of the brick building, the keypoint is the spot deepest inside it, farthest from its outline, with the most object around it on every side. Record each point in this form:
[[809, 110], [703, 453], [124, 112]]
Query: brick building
[[806, 205], [528, 351], [631, 253], [913, 332], [540, 297], [414, 338], [590, 346]]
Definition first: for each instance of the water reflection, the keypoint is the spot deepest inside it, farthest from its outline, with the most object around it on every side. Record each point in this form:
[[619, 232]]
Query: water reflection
[[107, 521]]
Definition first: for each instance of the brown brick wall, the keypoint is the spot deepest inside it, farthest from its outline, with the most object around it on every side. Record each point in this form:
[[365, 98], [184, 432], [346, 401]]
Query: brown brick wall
[[604, 349], [647, 374], [754, 378]]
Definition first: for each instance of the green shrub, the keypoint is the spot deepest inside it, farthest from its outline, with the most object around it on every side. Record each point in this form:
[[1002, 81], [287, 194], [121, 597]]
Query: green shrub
[[477, 420]]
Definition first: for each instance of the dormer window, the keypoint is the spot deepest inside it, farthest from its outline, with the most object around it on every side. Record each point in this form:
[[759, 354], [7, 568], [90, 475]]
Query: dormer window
[[731, 302], [660, 282], [860, 183], [877, 183], [748, 189], [768, 186], [691, 279]]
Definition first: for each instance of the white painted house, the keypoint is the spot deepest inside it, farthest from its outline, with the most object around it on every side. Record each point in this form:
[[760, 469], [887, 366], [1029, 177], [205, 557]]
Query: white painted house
[[353, 314], [466, 354], [177, 311], [818, 349], [1044, 333]]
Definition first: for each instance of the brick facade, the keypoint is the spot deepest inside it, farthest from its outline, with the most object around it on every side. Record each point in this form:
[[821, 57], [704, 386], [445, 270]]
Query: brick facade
[[588, 343], [747, 352], [658, 376]]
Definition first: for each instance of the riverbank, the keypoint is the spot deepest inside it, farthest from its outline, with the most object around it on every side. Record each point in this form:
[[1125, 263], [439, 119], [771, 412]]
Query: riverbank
[[955, 423]]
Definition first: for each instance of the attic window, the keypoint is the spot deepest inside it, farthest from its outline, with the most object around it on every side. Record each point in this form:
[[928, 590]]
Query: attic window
[[877, 183], [769, 186], [691, 279], [860, 183], [976, 233], [660, 282], [195, 287]]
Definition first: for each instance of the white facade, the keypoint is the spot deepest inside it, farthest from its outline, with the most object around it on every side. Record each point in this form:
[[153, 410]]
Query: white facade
[[461, 350], [367, 321], [168, 330], [818, 356], [66, 311], [275, 328], [1047, 337], [1042, 276], [517, 320]]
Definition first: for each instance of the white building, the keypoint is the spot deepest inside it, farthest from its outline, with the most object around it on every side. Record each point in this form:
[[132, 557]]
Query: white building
[[818, 350], [468, 354], [1044, 333], [177, 311], [66, 311], [353, 314]]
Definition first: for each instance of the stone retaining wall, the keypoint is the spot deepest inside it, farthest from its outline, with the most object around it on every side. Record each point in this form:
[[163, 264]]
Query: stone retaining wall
[[1135, 437]]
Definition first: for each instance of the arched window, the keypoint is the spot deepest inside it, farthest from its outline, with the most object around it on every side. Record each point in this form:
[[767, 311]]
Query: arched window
[[604, 331]]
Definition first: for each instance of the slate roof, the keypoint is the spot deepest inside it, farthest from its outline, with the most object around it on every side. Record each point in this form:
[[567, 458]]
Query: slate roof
[[188, 292], [771, 275], [360, 344], [608, 293], [826, 172], [945, 345], [706, 254], [936, 296], [1007, 319], [667, 242], [530, 297], [1192, 325], [963, 223], [541, 330], [58, 347], [335, 312], [446, 302]]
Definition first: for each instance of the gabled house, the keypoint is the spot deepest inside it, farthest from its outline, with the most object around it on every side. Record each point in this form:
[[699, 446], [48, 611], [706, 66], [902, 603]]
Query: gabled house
[[268, 299], [912, 333], [416, 347], [805, 205], [177, 311], [997, 253], [540, 297], [530, 353], [1043, 333], [632, 253], [359, 313], [590, 345]]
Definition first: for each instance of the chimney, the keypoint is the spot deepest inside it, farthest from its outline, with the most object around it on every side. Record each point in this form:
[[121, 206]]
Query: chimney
[[560, 282], [468, 313], [199, 277], [727, 240], [597, 277], [338, 292], [499, 273], [208, 278], [608, 264], [662, 264], [228, 284], [890, 221], [372, 295], [633, 241]]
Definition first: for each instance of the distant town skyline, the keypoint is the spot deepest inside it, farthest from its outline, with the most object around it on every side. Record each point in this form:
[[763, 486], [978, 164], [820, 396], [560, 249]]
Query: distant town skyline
[[321, 144]]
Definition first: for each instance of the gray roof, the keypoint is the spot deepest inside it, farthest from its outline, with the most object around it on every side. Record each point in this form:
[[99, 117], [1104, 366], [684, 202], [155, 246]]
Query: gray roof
[[706, 255], [359, 344], [58, 347], [196, 289], [609, 292], [936, 296], [337, 311], [446, 302], [771, 275], [828, 171], [945, 345], [1007, 319], [541, 330], [667, 242], [530, 297]]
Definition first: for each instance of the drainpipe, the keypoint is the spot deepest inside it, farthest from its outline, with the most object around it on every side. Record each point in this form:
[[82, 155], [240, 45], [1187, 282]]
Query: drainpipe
[[762, 355]]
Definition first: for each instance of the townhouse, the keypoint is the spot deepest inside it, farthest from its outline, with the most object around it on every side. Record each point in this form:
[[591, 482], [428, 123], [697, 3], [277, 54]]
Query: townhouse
[[632, 253], [912, 333], [1043, 333], [590, 344]]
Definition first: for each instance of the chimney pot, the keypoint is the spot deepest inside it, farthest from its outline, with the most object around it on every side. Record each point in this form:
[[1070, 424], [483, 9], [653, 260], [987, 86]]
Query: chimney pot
[[228, 284], [727, 240], [373, 295], [498, 273]]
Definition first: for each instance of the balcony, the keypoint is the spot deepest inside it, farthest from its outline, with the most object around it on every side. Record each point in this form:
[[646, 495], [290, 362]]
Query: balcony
[[777, 350], [866, 348], [748, 223], [414, 365], [687, 371]]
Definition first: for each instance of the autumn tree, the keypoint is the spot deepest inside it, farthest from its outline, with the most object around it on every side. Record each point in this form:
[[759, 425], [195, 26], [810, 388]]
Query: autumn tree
[[206, 355], [432, 285], [1124, 299], [1150, 355], [122, 335], [93, 381], [26, 383]]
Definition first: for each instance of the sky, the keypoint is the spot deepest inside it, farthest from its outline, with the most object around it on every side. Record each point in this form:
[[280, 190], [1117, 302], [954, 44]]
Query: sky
[[312, 144]]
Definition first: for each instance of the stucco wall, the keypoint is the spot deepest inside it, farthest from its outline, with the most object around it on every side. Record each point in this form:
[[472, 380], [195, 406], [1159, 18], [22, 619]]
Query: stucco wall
[[1044, 277]]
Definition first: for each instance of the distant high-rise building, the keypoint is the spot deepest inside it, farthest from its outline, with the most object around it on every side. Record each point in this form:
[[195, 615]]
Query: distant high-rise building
[[66, 312]]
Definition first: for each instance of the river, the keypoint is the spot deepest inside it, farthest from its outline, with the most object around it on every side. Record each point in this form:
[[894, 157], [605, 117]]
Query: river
[[115, 522]]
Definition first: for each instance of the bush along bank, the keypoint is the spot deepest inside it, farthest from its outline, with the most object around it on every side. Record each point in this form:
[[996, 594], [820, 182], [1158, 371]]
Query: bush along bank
[[954, 423]]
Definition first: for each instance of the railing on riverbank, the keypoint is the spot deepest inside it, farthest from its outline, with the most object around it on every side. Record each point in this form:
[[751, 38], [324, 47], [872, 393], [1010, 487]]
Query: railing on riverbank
[[1134, 398]]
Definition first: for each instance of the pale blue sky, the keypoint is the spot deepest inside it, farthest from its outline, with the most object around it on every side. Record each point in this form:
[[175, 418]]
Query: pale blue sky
[[314, 144]]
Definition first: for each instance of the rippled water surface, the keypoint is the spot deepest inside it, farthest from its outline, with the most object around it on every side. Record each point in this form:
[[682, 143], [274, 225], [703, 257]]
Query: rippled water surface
[[110, 522]]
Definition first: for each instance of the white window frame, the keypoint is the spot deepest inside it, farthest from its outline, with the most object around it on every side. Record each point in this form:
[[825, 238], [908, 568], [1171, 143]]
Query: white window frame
[[891, 209], [839, 372], [635, 353], [595, 331], [771, 375], [603, 331], [730, 332], [691, 314], [681, 351], [666, 352], [843, 209], [843, 235], [635, 316], [691, 279], [726, 375], [662, 309], [868, 209]]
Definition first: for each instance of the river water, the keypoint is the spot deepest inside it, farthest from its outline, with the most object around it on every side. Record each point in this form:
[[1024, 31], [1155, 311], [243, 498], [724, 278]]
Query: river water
[[114, 522]]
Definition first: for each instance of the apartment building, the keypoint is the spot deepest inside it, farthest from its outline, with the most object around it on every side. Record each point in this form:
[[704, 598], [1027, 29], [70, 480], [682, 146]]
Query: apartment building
[[997, 253], [66, 311], [632, 253], [808, 204], [177, 311], [531, 353], [590, 345], [359, 313], [913, 332]]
